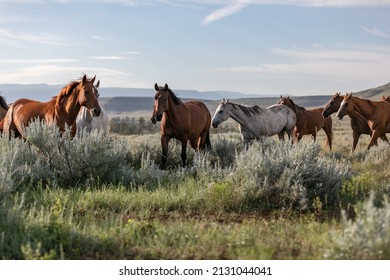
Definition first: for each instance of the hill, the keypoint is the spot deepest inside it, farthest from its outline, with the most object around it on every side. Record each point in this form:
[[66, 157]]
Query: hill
[[375, 93]]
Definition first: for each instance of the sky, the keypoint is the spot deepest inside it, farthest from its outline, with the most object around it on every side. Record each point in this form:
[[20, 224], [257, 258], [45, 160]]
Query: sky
[[289, 47]]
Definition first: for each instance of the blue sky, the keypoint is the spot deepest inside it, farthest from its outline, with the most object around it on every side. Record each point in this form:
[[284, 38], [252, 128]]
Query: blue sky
[[294, 47]]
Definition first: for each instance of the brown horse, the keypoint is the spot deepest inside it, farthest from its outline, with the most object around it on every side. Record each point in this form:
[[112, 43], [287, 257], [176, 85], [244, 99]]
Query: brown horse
[[61, 110], [377, 114], [185, 122], [358, 124], [309, 121]]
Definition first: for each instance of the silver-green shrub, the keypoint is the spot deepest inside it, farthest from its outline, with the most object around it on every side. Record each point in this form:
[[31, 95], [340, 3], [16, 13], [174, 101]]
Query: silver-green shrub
[[366, 238], [285, 175]]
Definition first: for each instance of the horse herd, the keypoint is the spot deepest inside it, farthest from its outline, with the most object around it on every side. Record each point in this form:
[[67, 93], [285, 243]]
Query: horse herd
[[77, 107]]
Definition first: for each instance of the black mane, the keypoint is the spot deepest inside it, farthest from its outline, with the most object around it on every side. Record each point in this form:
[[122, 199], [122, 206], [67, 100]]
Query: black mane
[[3, 103], [175, 99]]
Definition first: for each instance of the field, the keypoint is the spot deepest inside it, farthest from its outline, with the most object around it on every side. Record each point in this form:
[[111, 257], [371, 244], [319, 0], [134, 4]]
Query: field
[[98, 197]]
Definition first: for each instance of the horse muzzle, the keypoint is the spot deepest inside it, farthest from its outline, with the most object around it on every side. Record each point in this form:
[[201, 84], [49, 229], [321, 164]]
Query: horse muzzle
[[340, 117], [96, 112], [215, 125]]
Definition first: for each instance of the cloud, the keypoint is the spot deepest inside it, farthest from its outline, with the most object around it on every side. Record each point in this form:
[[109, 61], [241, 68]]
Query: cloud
[[25, 61], [376, 32], [225, 11], [112, 57], [21, 38], [236, 6], [56, 74], [320, 62]]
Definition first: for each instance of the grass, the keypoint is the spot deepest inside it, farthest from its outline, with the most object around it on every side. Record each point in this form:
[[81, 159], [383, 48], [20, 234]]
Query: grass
[[271, 202]]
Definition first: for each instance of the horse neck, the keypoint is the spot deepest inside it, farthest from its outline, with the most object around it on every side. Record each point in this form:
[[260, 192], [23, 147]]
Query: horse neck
[[69, 107], [237, 114], [172, 113], [362, 109]]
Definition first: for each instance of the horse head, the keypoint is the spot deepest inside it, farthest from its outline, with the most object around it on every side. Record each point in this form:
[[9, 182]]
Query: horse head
[[346, 106], [161, 102], [221, 114], [88, 95], [333, 105]]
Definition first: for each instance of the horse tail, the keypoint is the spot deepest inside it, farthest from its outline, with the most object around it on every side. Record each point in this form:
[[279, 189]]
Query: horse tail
[[329, 131]]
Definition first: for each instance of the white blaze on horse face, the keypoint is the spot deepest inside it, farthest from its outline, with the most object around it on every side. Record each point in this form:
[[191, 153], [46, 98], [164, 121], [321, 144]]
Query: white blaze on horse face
[[342, 110], [220, 115]]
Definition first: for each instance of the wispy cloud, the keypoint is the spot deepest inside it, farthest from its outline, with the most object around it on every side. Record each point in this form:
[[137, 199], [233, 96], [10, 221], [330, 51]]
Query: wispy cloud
[[225, 11], [22, 38], [34, 61], [376, 32], [235, 6], [111, 57], [320, 62]]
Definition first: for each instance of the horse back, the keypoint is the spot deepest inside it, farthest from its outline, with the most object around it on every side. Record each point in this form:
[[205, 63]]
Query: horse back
[[200, 115]]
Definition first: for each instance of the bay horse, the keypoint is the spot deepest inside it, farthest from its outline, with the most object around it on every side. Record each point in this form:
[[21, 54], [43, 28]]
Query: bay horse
[[359, 125], [377, 114], [309, 121], [61, 110], [189, 121], [256, 122]]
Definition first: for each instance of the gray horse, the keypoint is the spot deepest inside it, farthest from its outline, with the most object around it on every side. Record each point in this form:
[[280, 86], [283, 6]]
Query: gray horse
[[256, 122]]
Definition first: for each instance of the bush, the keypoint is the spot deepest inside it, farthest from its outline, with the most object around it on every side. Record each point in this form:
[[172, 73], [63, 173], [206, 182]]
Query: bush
[[366, 238], [289, 176]]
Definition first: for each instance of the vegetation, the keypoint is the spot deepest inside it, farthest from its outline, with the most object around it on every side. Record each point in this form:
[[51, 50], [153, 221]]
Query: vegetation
[[104, 197]]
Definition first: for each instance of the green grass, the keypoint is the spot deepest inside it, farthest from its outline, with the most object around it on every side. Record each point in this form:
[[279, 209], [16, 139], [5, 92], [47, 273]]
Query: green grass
[[274, 201]]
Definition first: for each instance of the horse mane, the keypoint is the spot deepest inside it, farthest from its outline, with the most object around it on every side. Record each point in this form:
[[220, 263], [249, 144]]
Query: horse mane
[[3, 103], [247, 110], [175, 99], [65, 91]]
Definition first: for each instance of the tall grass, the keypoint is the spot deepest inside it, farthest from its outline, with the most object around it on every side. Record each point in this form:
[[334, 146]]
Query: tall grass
[[105, 197]]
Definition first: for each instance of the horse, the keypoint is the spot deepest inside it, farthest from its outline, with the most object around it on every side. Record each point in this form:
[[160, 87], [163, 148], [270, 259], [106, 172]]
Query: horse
[[61, 110], [309, 121], [3, 107], [3, 111], [189, 121], [377, 114], [358, 124], [256, 122], [87, 122], [85, 119]]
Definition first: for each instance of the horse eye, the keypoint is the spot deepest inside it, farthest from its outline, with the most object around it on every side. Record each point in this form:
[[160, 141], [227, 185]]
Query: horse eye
[[220, 111]]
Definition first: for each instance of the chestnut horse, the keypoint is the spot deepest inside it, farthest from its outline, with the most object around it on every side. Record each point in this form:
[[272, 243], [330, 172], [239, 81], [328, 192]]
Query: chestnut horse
[[309, 121], [377, 114], [61, 110], [185, 122], [358, 124]]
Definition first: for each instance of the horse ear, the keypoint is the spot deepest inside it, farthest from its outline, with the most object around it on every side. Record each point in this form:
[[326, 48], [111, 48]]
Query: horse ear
[[337, 94], [93, 80], [223, 101], [84, 79], [227, 101], [156, 87], [98, 84], [166, 87]]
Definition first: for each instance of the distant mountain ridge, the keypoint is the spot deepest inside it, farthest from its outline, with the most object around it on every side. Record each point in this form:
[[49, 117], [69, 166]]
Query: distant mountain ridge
[[44, 92], [124, 100]]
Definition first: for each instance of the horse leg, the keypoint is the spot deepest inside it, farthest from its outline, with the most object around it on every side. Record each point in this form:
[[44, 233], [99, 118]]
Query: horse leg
[[183, 151], [164, 144], [374, 137], [356, 136], [281, 135]]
